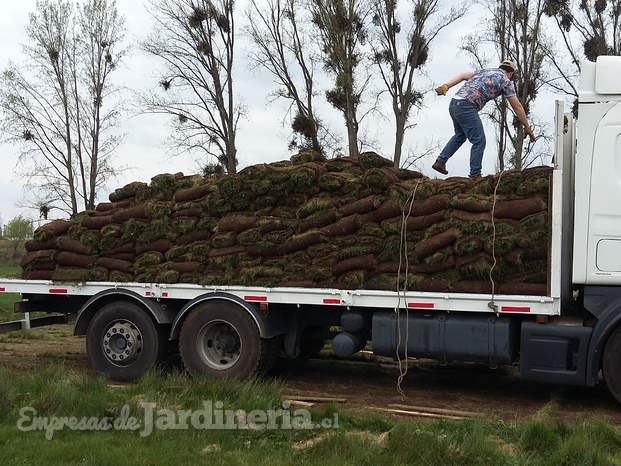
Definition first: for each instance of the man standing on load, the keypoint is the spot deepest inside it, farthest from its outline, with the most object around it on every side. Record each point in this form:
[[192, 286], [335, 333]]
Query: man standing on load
[[480, 87]]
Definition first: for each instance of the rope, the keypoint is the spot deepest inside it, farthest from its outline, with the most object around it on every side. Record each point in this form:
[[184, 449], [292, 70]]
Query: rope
[[403, 369], [403, 243], [492, 305]]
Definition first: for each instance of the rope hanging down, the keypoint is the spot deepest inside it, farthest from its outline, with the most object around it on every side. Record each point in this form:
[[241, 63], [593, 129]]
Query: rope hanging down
[[403, 255], [492, 305]]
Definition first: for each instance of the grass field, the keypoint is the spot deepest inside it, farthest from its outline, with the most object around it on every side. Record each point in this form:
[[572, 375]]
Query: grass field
[[147, 426]]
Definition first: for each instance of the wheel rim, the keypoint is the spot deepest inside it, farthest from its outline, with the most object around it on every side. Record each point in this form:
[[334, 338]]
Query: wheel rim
[[122, 343], [219, 345]]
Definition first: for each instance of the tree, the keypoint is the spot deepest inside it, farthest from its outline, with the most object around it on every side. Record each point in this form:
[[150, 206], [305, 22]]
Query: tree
[[282, 47], [515, 31], [588, 28], [342, 33], [58, 107], [397, 62], [597, 23], [16, 232], [195, 42]]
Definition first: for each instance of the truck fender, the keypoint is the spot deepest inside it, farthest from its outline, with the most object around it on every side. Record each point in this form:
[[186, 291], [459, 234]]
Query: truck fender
[[270, 323], [159, 314], [608, 312]]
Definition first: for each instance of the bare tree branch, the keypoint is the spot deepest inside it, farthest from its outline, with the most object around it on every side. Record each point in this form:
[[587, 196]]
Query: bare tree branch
[[399, 60], [58, 107], [342, 33], [282, 46], [195, 42]]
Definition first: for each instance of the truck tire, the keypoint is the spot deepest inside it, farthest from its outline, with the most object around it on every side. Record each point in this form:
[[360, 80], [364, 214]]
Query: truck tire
[[220, 339], [123, 342], [611, 363]]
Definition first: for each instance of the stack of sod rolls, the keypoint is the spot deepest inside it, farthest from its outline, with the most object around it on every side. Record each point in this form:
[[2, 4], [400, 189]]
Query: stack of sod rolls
[[347, 223]]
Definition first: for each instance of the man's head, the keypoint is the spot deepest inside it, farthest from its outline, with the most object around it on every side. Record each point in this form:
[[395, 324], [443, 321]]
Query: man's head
[[508, 66]]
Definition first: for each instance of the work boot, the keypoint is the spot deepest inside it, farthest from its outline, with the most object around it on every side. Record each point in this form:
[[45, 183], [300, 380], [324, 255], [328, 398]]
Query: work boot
[[475, 175], [440, 167]]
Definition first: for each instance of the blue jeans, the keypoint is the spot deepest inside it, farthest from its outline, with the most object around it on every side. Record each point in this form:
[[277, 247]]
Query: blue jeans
[[467, 124]]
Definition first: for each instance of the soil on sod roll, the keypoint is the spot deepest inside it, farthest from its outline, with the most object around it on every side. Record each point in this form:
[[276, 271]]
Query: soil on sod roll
[[350, 222]]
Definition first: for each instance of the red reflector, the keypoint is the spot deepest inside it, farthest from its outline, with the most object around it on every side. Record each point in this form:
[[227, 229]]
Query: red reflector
[[147, 293], [164, 294], [331, 301], [58, 290], [514, 309], [2, 289], [422, 305], [255, 298]]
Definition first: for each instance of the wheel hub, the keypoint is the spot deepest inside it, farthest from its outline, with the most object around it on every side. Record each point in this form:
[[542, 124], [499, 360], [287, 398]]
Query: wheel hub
[[219, 345], [228, 343], [122, 342]]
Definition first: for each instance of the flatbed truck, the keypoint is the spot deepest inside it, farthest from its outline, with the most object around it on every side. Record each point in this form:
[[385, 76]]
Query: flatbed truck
[[570, 335]]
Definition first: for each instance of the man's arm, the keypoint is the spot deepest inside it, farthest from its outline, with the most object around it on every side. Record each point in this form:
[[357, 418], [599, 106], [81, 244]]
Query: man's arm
[[441, 90], [521, 115], [459, 78]]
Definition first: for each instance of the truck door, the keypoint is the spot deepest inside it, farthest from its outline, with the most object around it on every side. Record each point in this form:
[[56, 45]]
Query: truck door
[[604, 237]]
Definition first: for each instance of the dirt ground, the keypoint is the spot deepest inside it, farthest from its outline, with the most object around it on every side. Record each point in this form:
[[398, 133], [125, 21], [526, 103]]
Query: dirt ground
[[368, 384]]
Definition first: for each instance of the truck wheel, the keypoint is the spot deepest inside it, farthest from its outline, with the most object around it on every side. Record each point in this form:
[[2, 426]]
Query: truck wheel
[[122, 342], [220, 339], [611, 364]]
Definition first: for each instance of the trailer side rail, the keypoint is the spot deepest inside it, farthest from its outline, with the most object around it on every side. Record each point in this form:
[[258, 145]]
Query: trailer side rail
[[411, 300]]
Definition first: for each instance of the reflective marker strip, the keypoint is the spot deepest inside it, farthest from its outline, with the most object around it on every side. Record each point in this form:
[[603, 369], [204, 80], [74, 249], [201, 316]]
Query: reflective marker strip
[[422, 305], [147, 293], [164, 294], [262, 299], [2, 289], [331, 301], [514, 309], [58, 290]]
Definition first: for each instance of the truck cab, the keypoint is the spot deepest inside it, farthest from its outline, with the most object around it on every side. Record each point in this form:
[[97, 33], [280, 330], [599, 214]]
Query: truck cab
[[597, 185], [586, 339]]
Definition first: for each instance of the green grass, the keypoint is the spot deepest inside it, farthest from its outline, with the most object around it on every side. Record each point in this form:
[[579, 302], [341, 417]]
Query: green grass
[[8, 299], [24, 335], [359, 440], [6, 307], [10, 271]]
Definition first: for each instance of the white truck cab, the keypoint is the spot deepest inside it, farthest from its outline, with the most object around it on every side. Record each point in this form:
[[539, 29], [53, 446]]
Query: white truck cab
[[597, 217]]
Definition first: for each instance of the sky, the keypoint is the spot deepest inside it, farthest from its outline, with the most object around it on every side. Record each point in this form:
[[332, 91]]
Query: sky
[[261, 138]]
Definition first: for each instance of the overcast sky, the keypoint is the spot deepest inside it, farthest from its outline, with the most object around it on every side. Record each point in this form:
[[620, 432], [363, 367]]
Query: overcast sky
[[261, 138]]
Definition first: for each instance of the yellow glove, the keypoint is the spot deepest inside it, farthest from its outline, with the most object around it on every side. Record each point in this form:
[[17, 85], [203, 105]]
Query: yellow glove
[[528, 131], [442, 89]]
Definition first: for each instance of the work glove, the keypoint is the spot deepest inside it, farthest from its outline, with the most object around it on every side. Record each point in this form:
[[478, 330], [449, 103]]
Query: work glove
[[442, 89], [528, 131]]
